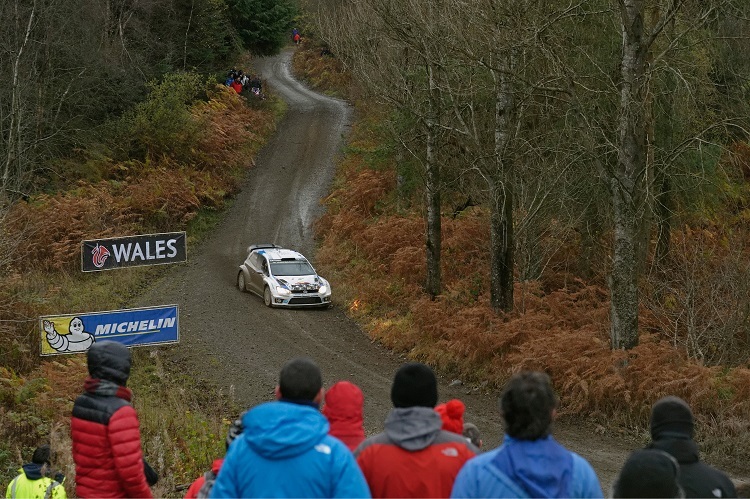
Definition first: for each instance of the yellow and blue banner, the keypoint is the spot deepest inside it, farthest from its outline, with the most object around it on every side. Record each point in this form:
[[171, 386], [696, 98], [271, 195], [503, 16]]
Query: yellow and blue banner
[[74, 333]]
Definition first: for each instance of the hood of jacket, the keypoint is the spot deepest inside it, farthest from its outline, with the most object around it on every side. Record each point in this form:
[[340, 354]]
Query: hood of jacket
[[542, 467], [344, 404], [109, 360], [33, 471], [685, 450], [413, 428], [280, 430], [344, 409]]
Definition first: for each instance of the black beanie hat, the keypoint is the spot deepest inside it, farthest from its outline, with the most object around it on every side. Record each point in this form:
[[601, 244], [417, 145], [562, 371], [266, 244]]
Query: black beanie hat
[[648, 473], [414, 385], [671, 417]]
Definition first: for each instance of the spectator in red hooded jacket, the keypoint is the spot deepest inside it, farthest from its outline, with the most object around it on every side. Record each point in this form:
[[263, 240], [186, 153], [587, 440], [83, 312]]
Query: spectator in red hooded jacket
[[414, 456], [452, 414], [344, 407], [105, 429]]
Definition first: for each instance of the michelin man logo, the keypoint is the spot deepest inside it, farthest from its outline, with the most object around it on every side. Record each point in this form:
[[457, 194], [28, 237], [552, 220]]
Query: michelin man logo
[[77, 339]]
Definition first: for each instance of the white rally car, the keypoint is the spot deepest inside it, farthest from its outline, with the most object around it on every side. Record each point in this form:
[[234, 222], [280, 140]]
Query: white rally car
[[282, 277]]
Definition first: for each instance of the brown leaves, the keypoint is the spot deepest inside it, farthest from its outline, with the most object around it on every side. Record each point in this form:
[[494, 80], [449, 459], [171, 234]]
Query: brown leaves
[[376, 254], [159, 196]]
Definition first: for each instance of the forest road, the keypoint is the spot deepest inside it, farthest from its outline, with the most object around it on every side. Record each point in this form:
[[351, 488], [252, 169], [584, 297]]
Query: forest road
[[231, 340]]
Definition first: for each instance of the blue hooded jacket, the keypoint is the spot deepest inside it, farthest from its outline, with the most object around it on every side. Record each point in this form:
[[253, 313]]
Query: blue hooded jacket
[[285, 451], [527, 468]]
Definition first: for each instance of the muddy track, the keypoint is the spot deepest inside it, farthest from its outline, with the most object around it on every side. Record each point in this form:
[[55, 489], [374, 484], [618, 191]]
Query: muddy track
[[231, 340]]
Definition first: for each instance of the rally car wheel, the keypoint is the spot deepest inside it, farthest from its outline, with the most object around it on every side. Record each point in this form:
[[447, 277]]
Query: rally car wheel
[[241, 281], [267, 298]]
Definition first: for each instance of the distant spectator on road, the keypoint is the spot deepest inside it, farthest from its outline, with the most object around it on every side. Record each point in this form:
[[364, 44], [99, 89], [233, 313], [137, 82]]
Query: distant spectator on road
[[105, 429], [202, 485], [648, 473], [529, 463], [471, 433], [344, 410], [285, 449], [37, 480], [413, 457], [672, 430], [452, 414]]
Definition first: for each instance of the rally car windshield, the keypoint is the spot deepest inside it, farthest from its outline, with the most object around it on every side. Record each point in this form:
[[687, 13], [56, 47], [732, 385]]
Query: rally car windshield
[[294, 268]]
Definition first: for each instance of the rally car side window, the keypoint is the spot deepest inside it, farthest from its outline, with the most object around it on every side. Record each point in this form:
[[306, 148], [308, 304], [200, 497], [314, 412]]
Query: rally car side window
[[255, 261]]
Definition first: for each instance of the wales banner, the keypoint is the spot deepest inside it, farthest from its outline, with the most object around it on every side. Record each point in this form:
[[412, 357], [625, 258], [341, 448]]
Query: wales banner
[[133, 251], [74, 333]]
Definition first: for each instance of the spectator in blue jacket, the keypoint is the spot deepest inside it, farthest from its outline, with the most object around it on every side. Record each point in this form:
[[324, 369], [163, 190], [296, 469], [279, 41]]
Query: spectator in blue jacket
[[529, 463], [285, 449]]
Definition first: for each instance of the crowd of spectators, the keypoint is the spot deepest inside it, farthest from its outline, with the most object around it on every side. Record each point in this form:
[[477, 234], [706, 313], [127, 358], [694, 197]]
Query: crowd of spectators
[[311, 442]]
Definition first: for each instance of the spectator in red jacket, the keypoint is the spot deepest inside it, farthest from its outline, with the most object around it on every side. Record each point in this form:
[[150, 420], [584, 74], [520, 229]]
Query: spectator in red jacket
[[105, 430], [236, 85], [344, 409], [413, 457]]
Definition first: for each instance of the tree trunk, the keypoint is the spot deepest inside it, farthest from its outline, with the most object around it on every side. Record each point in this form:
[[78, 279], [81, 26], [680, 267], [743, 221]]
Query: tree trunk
[[501, 247], [432, 192], [12, 168], [626, 183], [501, 196], [664, 207]]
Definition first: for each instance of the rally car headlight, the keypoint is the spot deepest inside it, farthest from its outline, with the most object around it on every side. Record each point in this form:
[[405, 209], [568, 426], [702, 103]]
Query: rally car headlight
[[282, 291], [323, 289]]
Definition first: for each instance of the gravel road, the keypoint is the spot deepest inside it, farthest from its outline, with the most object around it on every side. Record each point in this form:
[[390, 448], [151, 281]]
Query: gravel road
[[233, 341]]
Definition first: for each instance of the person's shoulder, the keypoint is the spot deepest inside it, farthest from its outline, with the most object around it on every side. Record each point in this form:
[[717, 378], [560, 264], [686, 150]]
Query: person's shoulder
[[712, 474], [336, 445], [447, 437], [580, 462], [370, 442], [585, 478], [483, 459]]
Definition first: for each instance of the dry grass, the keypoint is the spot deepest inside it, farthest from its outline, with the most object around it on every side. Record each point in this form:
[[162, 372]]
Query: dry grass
[[182, 430]]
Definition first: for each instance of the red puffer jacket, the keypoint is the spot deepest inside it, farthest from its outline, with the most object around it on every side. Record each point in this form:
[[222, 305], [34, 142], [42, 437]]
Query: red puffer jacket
[[105, 431]]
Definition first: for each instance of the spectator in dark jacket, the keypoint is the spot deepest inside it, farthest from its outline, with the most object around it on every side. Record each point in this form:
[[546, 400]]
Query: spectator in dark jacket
[[344, 410], [648, 473], [672, 429], [105, 429], [413, 457]]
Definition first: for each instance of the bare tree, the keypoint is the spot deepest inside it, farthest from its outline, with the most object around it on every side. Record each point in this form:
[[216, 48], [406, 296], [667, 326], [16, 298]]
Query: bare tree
[[506, 95], [640, 185], [397, 50], [13, 169]]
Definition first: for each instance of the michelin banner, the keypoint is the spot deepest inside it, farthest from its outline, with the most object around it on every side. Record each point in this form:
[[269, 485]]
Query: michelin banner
[[73, 333], [133, 251]]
